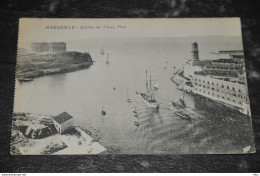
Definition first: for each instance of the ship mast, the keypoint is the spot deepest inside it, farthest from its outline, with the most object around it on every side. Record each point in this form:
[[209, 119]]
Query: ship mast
[[150, 81], [146, 84], [150, 86]]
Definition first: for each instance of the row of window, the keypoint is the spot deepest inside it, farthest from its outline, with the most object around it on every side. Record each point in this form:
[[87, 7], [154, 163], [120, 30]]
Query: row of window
[[235, 95], [224, 98], [214, 88], [223, 68], [233, 88]]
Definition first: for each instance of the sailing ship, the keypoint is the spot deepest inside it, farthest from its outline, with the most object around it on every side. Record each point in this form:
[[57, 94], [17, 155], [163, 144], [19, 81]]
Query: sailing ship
[[148, 97], [107, 61]]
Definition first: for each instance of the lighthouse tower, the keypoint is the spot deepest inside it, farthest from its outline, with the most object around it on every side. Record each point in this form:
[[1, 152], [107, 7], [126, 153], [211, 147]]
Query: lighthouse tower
[[195, 51]]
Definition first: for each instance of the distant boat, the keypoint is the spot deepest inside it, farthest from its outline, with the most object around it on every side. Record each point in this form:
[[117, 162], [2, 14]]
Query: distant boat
[[103, 112], [102, 51], [136, 115], [134, 111], [107, 61], [128, 99], [148, 97], [136, 123], [137, 92]]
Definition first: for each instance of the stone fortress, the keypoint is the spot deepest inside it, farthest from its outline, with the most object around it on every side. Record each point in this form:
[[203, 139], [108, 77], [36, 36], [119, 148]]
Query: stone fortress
[[222, 80], [44, 47]]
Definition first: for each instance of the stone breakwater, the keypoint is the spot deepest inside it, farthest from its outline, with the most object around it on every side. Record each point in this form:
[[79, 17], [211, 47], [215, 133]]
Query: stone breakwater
[[32, 66]]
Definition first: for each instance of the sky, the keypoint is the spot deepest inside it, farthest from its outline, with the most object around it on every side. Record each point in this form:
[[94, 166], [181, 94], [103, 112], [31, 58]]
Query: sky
[[34, 29]]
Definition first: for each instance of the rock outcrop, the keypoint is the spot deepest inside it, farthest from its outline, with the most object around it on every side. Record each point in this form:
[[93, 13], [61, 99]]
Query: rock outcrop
[[33, 127]]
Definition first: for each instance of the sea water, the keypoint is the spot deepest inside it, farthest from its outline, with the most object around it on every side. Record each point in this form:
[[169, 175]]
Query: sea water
[[83, 94]]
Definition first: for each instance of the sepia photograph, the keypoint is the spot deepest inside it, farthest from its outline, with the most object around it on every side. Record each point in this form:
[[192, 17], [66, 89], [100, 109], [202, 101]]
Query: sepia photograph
[[131, 86]]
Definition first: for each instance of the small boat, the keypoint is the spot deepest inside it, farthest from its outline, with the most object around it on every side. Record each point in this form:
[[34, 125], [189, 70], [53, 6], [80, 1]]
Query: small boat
[[128, 99], [134, 111], [24, 79], [156, 85], [103, 112], [136, 123], [148, 97], [137, 92], [102, 51], [181, 103], [114, 88], [183, 114], [180, 109], [107, 61], [136, 115]]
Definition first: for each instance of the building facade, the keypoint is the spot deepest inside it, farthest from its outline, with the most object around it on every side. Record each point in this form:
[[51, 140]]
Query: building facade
[[40, 47], [230, 93], [57, 47], [44, 47], [63, 122], [223, 80]]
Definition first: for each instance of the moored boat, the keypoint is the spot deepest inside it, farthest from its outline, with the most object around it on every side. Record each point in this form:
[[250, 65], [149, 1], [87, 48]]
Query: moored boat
[[24, 79], [180, 109], [183, 114]]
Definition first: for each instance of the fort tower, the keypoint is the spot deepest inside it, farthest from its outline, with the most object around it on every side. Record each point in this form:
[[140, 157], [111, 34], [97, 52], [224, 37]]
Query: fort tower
[[195, 51]]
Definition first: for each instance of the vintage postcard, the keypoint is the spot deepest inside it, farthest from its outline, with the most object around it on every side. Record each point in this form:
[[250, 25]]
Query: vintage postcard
[[131, 86]]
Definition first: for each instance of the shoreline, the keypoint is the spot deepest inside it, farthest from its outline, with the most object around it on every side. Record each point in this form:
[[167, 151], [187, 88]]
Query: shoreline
[[54, 72], [36, 66]]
